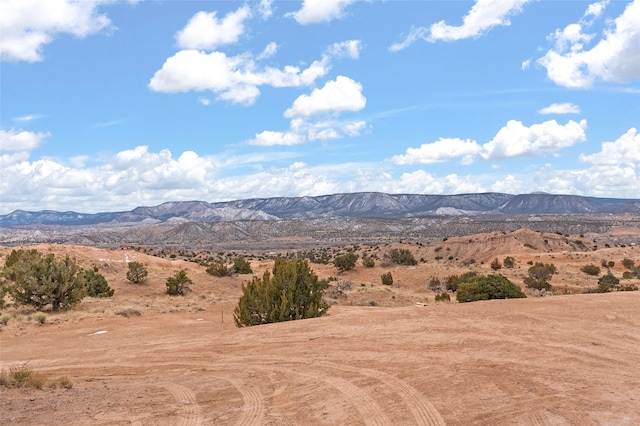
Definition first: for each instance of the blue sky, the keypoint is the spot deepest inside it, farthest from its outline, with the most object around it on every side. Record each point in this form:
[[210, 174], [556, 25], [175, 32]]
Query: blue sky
[[109, 105]]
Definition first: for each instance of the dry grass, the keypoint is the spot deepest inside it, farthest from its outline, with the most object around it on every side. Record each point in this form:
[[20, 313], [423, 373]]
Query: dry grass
[[22, 376]]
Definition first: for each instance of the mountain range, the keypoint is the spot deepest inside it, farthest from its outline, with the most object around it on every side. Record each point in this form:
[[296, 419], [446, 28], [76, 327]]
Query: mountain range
[[347, 205]]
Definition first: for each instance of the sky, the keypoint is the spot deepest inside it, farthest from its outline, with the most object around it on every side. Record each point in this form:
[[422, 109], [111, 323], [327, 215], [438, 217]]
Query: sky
[[109, 105]]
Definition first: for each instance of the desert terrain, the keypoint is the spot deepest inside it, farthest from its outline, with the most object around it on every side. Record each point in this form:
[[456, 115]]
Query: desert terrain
[[383, 355]]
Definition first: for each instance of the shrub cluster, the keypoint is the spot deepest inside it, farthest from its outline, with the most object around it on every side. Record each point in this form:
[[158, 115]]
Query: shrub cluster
[[485, 287], [401, 257], [591, 269], [345, 262]]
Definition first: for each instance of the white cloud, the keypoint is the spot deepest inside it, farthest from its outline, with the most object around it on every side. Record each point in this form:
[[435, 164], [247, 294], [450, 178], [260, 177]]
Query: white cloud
[[518, 140], [623, 151], [335, 97], [21, 140], [596, 9], [615, 57], [269, 50], [204, 101], [483, 15], [525, 64], [349, 48], [341, 94], [28, 25], [27, 118], [513, 140], [271, 138], [440, 151], [234, 78], [264, 9], [316, 11], [563, 108], [509, 185], [205, 31]]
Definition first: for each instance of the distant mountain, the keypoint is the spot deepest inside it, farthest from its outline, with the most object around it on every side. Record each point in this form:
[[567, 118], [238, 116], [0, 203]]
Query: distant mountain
[[349, 205]]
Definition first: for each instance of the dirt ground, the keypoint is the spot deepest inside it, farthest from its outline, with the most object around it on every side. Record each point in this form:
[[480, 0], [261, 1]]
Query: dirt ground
[[557, 360]]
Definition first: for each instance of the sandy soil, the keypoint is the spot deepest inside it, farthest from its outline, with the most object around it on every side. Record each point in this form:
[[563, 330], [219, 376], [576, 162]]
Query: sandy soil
[[558, 360]]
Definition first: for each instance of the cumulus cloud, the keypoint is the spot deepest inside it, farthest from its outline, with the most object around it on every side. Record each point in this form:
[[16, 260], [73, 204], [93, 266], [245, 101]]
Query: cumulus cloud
[[28, 25], [205, 31], [623, 151], [316, 11], [513, 140], [483, 15], [315, 116], [341, 94], [440, 151], [518, 140], [21, 140], [563, 108], [234, 78], [614, 58]]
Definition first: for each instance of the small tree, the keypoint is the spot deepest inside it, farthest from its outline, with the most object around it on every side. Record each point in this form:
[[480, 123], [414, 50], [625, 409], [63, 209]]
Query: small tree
[[218, 269], [178, 284], [97, 285], [387, 278], [137, 272], [509, 262], [539, 276], [242, 266], [38, 280], [607, 282], [495, 264], [291, 291], [345, 262], [435, 284]]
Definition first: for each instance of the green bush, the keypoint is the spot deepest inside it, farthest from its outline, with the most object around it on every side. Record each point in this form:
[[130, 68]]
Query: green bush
[[368, 262], [452, 281], [591, 269], [137, 272], [38, 280], [401, 257], [539, 276], [387, 278], [628, 263], [242, 266], [607, 282], [291, 291], [218, 269], [509, 262], [345, 262], [97, 285], [485, 287], [178, 284]]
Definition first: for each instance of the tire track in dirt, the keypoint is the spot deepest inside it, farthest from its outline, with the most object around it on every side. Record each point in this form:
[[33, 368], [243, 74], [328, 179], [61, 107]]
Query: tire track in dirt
[[187, 399], [423, 411], [253, 408]]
